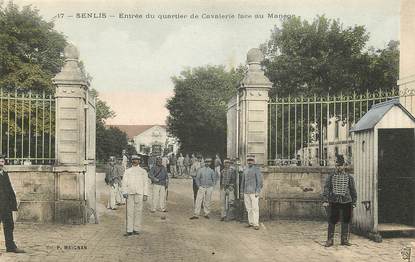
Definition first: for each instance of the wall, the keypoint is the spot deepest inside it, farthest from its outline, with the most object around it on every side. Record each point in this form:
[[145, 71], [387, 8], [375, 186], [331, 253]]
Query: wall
[[293, 192], [47, 194], [35, 192]]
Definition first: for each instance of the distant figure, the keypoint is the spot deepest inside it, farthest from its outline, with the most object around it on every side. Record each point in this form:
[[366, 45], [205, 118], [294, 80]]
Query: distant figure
[[119, 200], [193, 172], [227, 189], [8, 204], [205, 180], [159, 178], [135, 188], [173, 165], [251, 188], [187, 164], [339, 196], [180, 164], [151, 161], [165, 161], [193, 159], [218, 164], [113, 176], [124, 159]]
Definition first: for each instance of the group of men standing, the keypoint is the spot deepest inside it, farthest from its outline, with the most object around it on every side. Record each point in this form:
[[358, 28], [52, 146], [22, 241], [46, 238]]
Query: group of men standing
[[247, 185], [132, 186], [339, 195]]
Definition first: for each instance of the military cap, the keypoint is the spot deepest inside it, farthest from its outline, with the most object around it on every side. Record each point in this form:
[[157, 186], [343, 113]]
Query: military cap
[[135, 157]]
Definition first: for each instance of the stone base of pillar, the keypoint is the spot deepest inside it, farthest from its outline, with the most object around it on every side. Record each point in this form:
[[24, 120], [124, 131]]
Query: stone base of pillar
[[70, 212], [36, 211]]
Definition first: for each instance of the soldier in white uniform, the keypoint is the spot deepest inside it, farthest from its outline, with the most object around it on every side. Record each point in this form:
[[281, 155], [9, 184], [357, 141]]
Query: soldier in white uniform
[[135, 188], [124, 159], [180, 164]]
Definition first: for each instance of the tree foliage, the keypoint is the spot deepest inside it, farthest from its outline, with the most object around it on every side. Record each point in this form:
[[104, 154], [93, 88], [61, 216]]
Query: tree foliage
[[30, 49], [110, 142], [325, 57], [198, 108]]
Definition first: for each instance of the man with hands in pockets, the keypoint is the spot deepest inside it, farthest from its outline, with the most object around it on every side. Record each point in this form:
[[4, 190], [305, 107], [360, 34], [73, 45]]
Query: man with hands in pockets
[[251, 186], [135, 187]]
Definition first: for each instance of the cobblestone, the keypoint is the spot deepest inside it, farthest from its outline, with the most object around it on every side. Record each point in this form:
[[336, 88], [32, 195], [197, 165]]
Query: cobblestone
[[179, 239]]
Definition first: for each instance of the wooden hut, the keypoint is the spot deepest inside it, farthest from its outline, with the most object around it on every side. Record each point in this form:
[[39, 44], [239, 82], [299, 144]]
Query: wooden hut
[[384, 170]]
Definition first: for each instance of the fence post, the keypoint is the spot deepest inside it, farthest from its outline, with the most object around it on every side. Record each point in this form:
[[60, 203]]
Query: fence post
[[407, 56], [71, 93], [253, 110]]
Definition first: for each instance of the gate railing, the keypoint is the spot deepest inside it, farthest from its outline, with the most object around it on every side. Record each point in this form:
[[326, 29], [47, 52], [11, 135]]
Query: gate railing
[[311, 130], [27, 129]]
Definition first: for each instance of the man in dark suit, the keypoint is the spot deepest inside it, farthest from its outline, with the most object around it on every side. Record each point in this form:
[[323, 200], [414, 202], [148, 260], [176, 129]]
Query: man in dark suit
[[8, 204]]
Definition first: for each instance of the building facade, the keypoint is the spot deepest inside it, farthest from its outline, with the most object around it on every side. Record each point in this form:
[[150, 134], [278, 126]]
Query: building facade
[[150, 139]]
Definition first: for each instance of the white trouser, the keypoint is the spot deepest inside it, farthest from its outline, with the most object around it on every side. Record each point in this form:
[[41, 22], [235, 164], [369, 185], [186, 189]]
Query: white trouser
[[134, 212], [203, 195], [113, 196], [158, 197], [119, 199], [217, 170], [252, 206], [173, 170], [181, 170], [231, 198]]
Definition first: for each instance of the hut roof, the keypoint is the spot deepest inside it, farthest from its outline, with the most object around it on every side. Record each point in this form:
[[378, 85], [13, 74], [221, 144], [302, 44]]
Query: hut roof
[[376, 113]]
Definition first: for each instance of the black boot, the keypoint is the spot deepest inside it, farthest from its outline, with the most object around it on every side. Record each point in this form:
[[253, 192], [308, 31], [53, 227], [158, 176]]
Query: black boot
[[330, 235], [345, 234]]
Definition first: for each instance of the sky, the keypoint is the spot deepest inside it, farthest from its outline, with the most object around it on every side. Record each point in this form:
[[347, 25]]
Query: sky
[[132, 60]]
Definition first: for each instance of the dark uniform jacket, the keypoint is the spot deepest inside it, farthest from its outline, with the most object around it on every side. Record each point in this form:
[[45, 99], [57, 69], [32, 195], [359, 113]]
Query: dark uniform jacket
[[349, 195], [228, 178], [8, 201], [158, 175], [114, 174]]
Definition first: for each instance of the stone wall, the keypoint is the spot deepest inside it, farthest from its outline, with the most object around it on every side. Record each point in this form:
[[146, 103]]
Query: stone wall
[[35, 192], [293, 193], [43, 196]]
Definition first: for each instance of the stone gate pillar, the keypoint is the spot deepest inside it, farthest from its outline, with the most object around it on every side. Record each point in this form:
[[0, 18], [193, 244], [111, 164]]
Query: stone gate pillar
[[407, 55], [253, 110], [71, 94]]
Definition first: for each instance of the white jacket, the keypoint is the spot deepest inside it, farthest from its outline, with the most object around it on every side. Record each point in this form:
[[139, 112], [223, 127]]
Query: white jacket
[[135, 181]]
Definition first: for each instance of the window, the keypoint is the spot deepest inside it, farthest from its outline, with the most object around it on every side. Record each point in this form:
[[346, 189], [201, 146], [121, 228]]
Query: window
[[142, 148], [156, 150], [336, 151]]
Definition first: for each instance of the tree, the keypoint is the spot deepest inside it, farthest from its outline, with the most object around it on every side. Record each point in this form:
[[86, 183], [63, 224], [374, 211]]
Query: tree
[[319, 58], [30, 49], [111, 142], [325, 57], [198, 108]]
